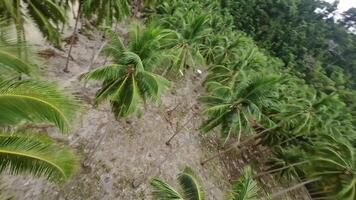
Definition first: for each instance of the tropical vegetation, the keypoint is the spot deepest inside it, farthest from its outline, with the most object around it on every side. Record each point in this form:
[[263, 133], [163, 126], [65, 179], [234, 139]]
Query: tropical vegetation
[[277, 74]]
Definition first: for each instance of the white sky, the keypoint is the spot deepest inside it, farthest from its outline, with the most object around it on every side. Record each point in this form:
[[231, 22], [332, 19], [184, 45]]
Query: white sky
[[345, 4]]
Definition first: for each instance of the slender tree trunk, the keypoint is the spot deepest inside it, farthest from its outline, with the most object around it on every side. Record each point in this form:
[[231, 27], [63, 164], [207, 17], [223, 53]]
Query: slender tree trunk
[[88, 160], [242, 144], [319, 192], [72, 39], [233, 146], [95, 55], [137, 8], [291, 139], [178, 130], [279, 169], [282, 192]]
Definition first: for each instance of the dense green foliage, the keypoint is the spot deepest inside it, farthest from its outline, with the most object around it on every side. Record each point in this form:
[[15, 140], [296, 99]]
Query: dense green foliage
[[245, 91], [279, 73], [305, 34]]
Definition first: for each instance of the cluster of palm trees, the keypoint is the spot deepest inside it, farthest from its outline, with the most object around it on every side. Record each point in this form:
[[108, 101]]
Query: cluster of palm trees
[[250, 96]]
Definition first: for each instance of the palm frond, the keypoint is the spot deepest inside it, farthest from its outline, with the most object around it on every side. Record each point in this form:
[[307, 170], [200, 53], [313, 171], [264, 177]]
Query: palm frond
[[245, 188], [35, 101], [107, 11], [10, 54], [39, 156], [46, 13], [163, 191], [191, 185]]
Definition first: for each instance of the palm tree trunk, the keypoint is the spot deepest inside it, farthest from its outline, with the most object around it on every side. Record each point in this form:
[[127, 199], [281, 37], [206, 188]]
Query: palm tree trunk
[[291, 139], [137, 8], [233, 146], [178, 130], [88, 160], [273, 196], [72, 39], [279, 169], [242, 144]]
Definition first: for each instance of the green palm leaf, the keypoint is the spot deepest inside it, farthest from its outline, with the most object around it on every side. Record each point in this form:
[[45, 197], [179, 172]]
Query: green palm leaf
[[245, 188], [237, 106], [163, 191], [10, 59], [191, 185], [334, 161], [39, 156], [106, 10], [44, 13], [35, 101]]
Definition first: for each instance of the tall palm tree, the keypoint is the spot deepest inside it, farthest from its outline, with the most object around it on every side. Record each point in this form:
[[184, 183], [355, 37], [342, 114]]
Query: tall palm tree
[[191, 29], [130, 80], [334, 161], [227, 73], [239, 107], [311, 112], [46, 14], [287, 162]]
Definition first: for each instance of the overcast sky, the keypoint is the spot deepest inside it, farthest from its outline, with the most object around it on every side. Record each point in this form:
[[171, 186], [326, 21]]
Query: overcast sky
[[345, 4]]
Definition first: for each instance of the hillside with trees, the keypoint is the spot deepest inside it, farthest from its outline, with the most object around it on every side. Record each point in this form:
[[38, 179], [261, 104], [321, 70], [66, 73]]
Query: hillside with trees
[[173, 99]]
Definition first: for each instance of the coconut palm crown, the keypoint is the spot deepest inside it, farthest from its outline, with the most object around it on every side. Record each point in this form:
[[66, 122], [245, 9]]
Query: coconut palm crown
[[130, 79]]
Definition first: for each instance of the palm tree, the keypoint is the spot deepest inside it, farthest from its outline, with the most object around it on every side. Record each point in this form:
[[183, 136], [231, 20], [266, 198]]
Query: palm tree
[[239, 108], [190, 31], [190, 187], [334, 161], [130, 80], [287, 162], [106, 10], [311, 111], [232, 61], [45, 14], [242, 107]]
